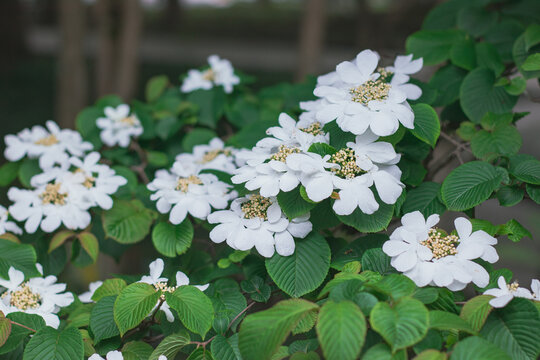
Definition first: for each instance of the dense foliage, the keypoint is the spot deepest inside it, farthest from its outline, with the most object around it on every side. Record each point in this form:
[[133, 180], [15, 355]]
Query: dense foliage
[[284, 225]]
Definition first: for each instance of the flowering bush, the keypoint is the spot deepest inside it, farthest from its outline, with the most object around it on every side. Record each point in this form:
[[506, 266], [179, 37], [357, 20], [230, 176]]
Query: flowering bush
[[306, 214]]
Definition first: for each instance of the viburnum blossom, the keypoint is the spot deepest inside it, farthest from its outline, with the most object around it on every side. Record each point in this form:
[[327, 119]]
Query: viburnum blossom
[[506, 292], [214, 156], [6, 225], [184, 189], [220, 73], [161, 284], [118, 127], [50, 145], [257, 221], [404, 65], [361, 96], [37, 295], [429, 256], [86, 297]]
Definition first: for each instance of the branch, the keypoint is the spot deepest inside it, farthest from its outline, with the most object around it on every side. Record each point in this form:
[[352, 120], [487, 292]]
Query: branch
[[21, 325], [140, 169]]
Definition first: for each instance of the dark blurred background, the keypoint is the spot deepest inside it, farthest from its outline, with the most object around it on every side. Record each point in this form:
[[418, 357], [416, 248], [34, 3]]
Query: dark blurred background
[[58, 56]]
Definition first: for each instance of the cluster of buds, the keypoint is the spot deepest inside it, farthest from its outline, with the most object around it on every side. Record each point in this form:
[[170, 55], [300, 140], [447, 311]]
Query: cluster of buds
[[256, 206], [441, 245]]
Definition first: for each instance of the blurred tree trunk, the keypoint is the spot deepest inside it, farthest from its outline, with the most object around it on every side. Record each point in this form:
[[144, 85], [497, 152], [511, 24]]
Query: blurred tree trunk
[[128, 47], [311, 37], [72, 78], [12, 28], [105, 49]]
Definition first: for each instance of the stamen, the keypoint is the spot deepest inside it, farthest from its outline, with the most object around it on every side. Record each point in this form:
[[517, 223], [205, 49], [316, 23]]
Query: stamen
[[163, 287], [52, 195], [513, 286], [369, 91], [441, 246], [209, 75], [23, 298], [346, 159], [183, 183], [313, 129], [385, 75], [47, 140], [212, 154], [283, 152], [130, 120], [256, 206]]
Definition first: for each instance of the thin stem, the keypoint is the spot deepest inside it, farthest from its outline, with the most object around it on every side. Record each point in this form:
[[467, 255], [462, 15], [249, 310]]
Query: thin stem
[[21, 325], [140, 169], [240, 314]]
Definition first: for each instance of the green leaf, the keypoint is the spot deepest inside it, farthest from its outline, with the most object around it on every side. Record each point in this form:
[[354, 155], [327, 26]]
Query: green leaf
[[157, 158], [262, 333], [18, 333], [479, 96], [90, 244], [503, 140], [463, 54], [534, 192], [303, 271], [110, 287], [27, 170], [133, 305], [520, 53], [155, 87], [322, 149], [514, 230], [466, 130], [487, 56], [476, 348], [433, 45], [197, 136], [425, 198], [194, 308], [200, 354], [8, 173], [395, 285], [5, 329], [128, 222], [211, 105], [447, 80], [293, 204], [426, 124], [427, 295], [376, 260], [381, 351], [469, 185], [339, 138], [171, 240], [442, 320], [365, 223], [476, 20], [402, 325], [52, 344], [526, 168], [341, 330], [85, 123], [510, 195], [514, 329], [137, 350], [21, 256], [228, 303], [532, 35], [225, 348], [517, 86], [59, 239], [171, 345], [431, 354], [100, 319], [476, 310], [532, 63]]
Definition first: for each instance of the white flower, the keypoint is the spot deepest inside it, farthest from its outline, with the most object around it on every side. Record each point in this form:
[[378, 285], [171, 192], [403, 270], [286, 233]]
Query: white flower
[[51, 145], [215, 156], [506, 292], [535, 289], [50, 205], [160, 284], [257, 221], [38, 295], [111, 355], [86, 297], [359, 98], [429, 257], [404, 66], [118, 126], [6, 225], [185, 190], [91, 180], [220, 73]]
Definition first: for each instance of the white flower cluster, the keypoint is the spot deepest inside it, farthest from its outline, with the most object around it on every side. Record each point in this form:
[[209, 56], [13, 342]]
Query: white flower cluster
[[37, 295], [506, 292], [119, 126], [187, 188], [220, 73], [116, 355], [429, 256]]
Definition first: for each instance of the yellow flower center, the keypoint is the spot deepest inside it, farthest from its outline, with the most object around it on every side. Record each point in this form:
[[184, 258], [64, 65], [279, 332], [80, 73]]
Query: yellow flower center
[[369, 91], [256, 206], [313, 129], [346, 159], [52, 195], [283, 152], [23, 298], [209, 75], [212, 154], [130, 120], [163, 287], [513, 286], [184, 182], [47, 140], [385, 75], [440, 245]]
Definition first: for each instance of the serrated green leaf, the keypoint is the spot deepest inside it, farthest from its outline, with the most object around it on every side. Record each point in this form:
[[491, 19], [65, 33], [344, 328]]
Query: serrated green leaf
[[322, 149], [476, 310], [447, 80], [262, 333], [137, 350], [197, 136], [171, 345], [225, 348], [402, 325], [476, 348], [431, 354], [469, 185], [90, 244], [365, 223], [59, 239], [442, 320], [526, 168], [52, 344], [172, 240], [426, 124], [510, 195], [463, 54], [433, 45], [424, 198], [110, 287], [5, 329], [534, 192], [487, 56], [128, 222], [133, 305], [18, 333], [514, 230], [503, 140], [211, 105], [520, 53], [341, 330], [194, 308], [20, 256], [293, 204], [517, 86], [395, 285], [100, 319], [476, 20], [303, 271], [532, 63]]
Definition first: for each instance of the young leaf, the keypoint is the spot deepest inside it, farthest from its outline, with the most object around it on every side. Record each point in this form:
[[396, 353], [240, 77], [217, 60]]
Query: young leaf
[[194, 308], [52, 344], [263, 332], [303, 271], [476, 310], [128, 222], [90, 244], [133, 305], [341, 330], [172, 240]]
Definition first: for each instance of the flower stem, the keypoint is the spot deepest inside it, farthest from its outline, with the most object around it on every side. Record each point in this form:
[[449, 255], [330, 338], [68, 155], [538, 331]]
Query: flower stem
[[21, 325]]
